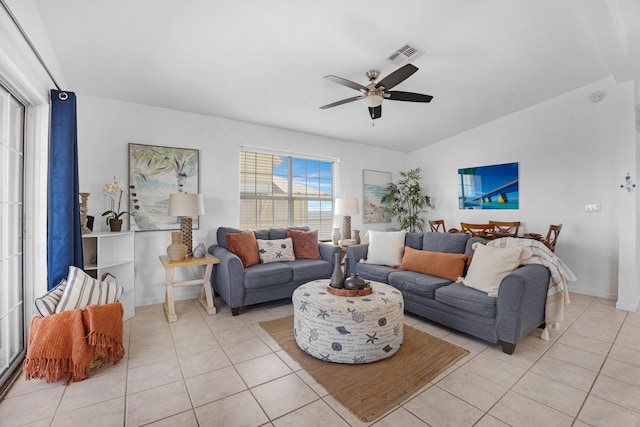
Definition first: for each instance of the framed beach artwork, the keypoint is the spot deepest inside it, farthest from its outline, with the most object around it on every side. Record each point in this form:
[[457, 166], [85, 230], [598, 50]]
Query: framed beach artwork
[[374, 185], [154, 173]]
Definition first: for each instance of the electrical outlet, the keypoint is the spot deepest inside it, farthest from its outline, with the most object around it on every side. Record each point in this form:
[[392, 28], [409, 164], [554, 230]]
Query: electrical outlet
[[592, 207]]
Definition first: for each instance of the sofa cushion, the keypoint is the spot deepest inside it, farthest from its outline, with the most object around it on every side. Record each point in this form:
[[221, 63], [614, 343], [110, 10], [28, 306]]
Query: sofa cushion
[[439, 264], [464, 298], [469, 247], [275, 250], [305, 270], [263, 234], [489, 266], [281, 233], [221, 235], [414, 240], [385, 247], [378, 273], [264, 275], [245, 246], [414, 283], [453, 243], [305, 244]]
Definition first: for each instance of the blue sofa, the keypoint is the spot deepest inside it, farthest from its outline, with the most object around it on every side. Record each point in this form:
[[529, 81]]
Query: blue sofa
[[516, 312], [240, 287]]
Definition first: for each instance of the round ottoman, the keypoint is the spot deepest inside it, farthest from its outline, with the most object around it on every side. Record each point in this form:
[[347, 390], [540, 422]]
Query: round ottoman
[[348, 329]]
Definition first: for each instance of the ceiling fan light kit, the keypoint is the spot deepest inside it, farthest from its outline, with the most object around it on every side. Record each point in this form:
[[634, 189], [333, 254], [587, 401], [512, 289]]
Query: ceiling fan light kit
[[373, 94]]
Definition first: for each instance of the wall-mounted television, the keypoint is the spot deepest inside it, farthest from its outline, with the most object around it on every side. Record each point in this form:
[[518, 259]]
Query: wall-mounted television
[[489, 187]]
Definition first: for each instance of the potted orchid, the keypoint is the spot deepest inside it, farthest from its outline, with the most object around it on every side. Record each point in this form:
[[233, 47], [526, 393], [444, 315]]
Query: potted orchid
[[113, 190]]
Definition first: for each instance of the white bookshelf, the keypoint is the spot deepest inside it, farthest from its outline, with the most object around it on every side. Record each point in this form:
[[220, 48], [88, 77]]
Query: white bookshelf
[[112, 253]]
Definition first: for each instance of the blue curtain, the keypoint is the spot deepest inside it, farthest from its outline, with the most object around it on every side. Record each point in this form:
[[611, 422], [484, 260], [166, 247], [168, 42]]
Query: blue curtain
[[64, 230]]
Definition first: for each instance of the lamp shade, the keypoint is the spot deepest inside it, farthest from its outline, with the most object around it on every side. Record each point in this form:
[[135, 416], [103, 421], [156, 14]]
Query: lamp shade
[[181, 204], [346, 206]]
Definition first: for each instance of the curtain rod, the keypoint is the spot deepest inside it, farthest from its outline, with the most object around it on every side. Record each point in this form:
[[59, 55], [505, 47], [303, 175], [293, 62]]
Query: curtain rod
[[31, 46]]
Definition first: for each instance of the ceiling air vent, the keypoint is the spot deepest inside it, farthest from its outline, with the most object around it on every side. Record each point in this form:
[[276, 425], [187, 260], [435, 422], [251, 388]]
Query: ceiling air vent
[[406, 53]]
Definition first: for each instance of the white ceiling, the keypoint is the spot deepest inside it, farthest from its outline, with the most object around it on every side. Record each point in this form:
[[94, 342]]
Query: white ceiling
[[263, 61]]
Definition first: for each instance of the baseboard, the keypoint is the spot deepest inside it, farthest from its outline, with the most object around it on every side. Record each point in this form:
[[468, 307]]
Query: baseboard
[[629, 307], [595, 293]]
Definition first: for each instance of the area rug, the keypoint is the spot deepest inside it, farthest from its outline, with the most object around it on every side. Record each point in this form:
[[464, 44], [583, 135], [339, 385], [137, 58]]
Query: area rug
[[371, 389]]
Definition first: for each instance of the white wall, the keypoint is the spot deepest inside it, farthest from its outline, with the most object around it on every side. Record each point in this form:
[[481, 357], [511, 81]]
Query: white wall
[[570, 152], [105, 127]]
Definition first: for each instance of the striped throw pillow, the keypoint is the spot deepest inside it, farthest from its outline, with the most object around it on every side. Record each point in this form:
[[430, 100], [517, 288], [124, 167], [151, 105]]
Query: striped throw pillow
[[83, 290], [46, 304]]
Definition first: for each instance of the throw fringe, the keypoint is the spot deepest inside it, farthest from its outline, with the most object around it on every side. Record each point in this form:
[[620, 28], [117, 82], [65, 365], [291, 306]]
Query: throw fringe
[[106, 347], [54, 370]]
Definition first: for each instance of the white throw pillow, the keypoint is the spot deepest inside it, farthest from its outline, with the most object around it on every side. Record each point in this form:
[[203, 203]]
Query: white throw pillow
[[83, 290], [489, 266], [46, 304], [385, 247], [276, 250]]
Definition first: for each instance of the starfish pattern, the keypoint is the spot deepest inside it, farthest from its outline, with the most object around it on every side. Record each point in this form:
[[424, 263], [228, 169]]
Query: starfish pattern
[[304, 306], [278, 254], [325, 357], [323, 314], [371, 339]]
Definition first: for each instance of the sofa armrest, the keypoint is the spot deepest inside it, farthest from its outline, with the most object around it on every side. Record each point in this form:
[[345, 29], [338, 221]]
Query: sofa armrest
[[328, 251], [521, 302], [228, 276], [355, 253]]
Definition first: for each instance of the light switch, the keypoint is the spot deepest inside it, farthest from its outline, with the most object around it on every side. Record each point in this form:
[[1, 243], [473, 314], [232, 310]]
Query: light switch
[[592, 207]]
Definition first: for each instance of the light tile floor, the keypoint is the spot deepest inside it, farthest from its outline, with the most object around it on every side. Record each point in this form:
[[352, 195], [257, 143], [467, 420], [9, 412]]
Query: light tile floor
[[221, 370]]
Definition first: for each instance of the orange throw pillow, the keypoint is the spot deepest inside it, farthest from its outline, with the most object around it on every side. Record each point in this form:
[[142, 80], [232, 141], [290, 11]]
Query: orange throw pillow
[[245, 246], [439, 264], [305, 244]]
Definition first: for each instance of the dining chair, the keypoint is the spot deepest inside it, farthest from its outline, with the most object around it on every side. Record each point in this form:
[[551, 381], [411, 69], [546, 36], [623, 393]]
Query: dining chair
[[437, 225], [505, 228], [478, 230], [552, 237]]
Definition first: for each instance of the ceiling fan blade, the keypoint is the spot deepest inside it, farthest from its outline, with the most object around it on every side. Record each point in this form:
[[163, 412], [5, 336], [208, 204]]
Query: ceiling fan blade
[[375, 112], [345, 82], [344, 101], [408, 96], [397, 77]]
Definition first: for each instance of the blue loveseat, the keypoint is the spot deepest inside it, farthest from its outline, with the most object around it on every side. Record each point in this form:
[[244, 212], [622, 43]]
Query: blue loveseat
[[240, 287], [517, 311]]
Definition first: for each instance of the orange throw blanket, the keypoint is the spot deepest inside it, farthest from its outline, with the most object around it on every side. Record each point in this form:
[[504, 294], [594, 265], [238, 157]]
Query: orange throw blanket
[[61, 346]]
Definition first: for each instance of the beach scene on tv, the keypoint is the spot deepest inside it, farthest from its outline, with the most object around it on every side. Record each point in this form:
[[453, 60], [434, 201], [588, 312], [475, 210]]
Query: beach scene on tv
[[489, 187]]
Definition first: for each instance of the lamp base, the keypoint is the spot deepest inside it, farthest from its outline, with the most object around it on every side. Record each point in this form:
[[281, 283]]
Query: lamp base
[[186, 225], [346, 227]]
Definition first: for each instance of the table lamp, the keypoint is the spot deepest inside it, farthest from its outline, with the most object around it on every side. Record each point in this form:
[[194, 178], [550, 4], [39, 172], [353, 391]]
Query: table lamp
[[346, 207], [186, 206]]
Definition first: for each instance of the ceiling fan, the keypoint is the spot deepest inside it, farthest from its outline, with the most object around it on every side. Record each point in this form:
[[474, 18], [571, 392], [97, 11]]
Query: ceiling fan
[[374, 93]]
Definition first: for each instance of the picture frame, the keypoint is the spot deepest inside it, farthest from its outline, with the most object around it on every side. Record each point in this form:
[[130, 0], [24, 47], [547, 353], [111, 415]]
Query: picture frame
[[155, 172], [374, 185], [489, 187]]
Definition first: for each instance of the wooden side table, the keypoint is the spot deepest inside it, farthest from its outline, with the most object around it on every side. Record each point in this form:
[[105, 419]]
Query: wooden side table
[[206, 298]]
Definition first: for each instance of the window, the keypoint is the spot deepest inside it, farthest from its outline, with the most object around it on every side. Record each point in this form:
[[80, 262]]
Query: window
[[12, 327], [281, 190]]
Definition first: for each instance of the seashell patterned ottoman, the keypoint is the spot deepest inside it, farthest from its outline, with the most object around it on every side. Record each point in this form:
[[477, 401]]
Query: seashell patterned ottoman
[[348, 329]]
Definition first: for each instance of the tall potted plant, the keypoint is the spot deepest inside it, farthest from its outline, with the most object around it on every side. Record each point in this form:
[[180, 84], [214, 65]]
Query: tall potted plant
[[406, 200]]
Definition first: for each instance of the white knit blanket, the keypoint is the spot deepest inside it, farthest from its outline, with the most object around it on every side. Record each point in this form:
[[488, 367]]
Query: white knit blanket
[[558, 293]]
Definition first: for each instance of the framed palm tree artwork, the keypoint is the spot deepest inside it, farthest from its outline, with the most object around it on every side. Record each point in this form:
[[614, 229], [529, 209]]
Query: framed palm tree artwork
[[154, 173]]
